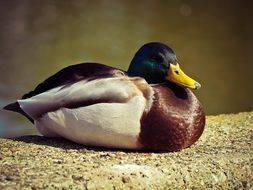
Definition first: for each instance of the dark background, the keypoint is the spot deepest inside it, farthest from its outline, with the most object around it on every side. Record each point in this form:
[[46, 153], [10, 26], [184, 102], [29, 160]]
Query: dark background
[[212, 39]]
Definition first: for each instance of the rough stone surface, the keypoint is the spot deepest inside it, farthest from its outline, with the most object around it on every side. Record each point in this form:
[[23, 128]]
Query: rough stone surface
[[221, 159]]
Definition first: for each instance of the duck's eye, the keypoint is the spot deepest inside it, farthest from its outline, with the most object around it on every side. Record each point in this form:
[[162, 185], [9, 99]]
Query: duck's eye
[[157, 58], [177, 72]]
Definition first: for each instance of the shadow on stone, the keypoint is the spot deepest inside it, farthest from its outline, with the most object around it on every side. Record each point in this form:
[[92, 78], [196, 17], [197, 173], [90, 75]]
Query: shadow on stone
[[66, 144]]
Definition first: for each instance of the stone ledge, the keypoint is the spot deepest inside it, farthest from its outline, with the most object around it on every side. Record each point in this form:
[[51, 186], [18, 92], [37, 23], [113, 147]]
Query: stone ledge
[[221, 159]]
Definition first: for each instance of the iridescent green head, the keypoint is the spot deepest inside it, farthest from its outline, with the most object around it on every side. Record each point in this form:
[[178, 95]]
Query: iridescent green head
[[157, 63]]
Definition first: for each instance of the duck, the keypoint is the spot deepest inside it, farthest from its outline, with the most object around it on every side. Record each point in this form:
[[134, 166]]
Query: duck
[[150, 106]]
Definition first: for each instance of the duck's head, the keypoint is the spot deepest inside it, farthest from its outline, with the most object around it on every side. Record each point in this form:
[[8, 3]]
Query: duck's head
[[157, 63]]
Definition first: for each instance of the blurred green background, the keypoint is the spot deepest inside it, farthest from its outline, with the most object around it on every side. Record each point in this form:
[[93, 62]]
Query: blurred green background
[[212, 39]]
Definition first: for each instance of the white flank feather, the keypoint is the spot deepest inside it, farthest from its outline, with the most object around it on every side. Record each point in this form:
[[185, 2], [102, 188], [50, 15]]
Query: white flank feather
[[106, 124]]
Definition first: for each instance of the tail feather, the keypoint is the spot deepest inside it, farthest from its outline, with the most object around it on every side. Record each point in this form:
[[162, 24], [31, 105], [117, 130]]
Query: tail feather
[[15, 107]]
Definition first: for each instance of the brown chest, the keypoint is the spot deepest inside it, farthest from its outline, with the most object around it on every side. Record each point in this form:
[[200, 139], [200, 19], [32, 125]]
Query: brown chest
[[175, 121]]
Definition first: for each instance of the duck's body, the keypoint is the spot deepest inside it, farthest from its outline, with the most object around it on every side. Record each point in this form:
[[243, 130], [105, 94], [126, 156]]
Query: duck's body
[[97, 105]]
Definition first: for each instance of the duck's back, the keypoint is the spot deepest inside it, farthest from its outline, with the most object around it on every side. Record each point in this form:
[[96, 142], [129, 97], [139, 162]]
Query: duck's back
[[72, 74], [64, 79]]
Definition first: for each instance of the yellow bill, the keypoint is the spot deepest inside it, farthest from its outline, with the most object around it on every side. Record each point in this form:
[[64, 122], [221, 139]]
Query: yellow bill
[[176, 75]]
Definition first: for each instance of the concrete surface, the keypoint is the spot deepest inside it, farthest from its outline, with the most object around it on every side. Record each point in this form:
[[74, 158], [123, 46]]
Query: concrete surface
[[221, 159]]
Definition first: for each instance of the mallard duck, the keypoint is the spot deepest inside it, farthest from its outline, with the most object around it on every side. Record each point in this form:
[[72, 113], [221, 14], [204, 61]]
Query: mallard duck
[[149, 107]]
